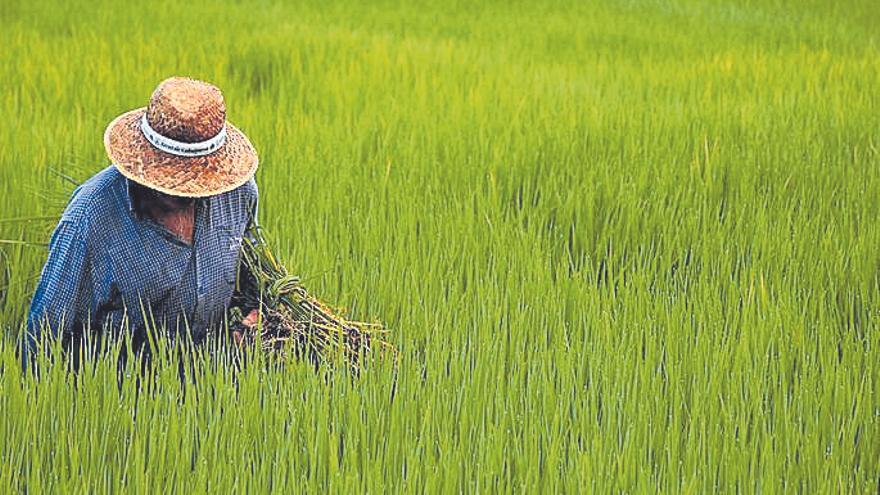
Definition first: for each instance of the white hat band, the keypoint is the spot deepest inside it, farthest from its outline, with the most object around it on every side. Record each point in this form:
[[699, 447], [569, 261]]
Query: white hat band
[[179, 148]]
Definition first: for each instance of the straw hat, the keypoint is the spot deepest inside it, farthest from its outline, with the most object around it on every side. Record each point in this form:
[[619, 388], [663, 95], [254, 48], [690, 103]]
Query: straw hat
[[181, 143]]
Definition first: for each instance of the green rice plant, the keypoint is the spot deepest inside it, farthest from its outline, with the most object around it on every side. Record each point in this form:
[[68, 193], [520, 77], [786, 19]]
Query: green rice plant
[[5, 269]]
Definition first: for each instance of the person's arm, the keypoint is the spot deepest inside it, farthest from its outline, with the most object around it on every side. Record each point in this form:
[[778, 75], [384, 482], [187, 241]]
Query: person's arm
[[60, 303]]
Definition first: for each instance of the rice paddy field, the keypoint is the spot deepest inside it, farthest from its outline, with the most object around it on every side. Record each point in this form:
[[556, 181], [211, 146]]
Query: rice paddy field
[[623, 247]]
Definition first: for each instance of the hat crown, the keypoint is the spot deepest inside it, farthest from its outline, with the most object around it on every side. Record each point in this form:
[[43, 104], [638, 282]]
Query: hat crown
[[186, 110]]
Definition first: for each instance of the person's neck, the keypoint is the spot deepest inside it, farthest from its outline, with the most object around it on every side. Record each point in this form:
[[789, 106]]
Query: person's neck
[[179, 222], [158, 213], [176, 215]]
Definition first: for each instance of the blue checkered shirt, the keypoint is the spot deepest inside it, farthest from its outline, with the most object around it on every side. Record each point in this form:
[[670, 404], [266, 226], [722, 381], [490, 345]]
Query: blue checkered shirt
[[110, 268]]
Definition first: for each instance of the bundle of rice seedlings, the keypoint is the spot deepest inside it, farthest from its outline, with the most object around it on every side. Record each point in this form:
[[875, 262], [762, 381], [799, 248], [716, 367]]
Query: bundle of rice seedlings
[[292, 321]]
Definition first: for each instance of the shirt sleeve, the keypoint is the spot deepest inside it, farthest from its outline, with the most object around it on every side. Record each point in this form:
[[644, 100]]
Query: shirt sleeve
[[61, 302]]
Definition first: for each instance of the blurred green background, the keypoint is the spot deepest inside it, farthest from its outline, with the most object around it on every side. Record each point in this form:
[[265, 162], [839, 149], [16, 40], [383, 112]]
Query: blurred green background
[[623, 246]]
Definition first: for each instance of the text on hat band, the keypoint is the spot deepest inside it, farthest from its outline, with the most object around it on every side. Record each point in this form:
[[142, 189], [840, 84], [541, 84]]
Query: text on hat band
[[179, 148]]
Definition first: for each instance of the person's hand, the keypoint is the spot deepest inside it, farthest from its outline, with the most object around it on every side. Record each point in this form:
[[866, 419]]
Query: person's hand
[[250, 321]]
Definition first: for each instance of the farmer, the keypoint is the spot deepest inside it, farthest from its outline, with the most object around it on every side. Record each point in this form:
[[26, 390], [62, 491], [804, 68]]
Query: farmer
[[153, 240]]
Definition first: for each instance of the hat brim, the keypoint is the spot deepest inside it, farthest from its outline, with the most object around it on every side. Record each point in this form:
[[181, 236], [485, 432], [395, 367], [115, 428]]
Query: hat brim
[[193, 177]]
